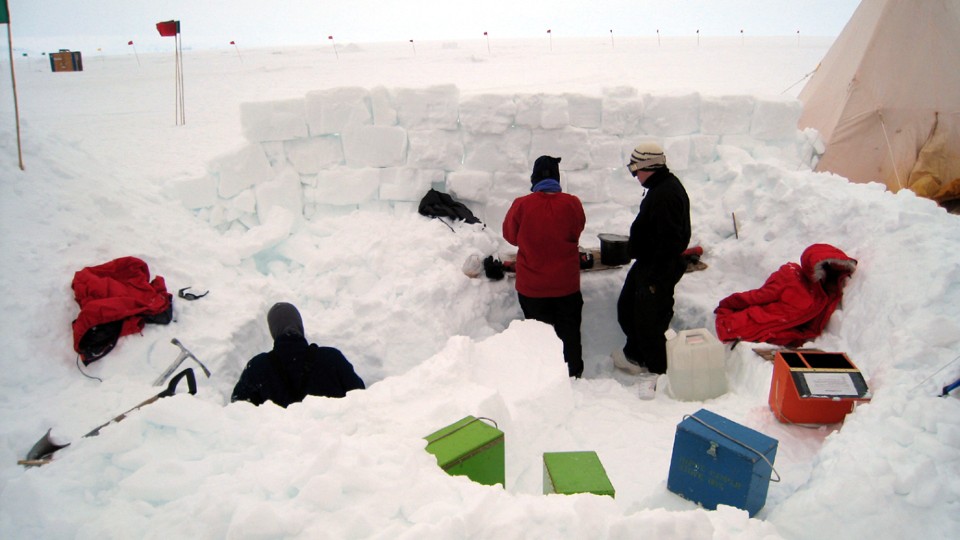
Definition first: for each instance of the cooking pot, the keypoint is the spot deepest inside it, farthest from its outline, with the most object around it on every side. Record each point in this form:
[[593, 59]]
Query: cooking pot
[[614, 249]]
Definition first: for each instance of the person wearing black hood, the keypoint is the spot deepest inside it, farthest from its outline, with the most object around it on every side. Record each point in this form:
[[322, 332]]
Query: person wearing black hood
[[545, 225], [658, 236], [294, 369]]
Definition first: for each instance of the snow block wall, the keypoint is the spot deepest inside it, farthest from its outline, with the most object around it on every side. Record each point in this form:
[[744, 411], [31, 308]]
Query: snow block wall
[[340, 150]]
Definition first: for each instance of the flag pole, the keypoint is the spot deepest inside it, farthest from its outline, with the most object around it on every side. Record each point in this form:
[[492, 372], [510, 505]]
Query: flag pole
[[183, 118], [130, 43], [16, 106], [234, 43]]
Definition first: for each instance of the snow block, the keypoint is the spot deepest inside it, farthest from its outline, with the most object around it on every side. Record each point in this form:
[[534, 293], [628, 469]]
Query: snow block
[[436, 107], [374, 146], [506, 152], [606, 151], [407, 184], [487, 113], [310, 155], [435, 149], [621, 116], [334, 110], [584, 111], [726, 115], [542, 111], [668, 116], [571, 145], [382, 108], [273, 120], [284, 191], [470, 185], [344, 186], [589, 186], [241, 170], [196, 193], [775, 120], [677, 150]]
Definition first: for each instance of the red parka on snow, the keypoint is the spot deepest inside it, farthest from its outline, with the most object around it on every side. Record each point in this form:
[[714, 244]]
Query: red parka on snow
[[546, 227], [793, 305], [114, 291]]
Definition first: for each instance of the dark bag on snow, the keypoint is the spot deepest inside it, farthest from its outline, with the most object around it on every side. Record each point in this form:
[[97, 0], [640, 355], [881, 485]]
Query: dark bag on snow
[[438, 204]]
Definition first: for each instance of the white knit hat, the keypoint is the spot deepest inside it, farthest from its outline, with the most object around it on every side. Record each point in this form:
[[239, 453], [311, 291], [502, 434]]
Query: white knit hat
[[647, 156]]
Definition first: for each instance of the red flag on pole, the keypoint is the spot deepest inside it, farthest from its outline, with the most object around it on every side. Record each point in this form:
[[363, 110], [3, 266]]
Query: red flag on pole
[[233, 42], [168, 28]]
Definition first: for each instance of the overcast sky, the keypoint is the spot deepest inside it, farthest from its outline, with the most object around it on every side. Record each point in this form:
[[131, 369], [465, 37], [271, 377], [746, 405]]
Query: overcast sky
[[49, 25]]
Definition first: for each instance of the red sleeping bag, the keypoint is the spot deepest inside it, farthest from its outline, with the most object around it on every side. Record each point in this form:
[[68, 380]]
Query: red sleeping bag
[[793, 305]]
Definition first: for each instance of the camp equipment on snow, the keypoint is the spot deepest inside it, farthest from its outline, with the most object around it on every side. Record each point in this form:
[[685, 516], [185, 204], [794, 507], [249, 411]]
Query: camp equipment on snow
[[471, 448], [718, 461], [567, 473], [42, 451], [696, 365], [815, 387], [614, 249], [184, 354]]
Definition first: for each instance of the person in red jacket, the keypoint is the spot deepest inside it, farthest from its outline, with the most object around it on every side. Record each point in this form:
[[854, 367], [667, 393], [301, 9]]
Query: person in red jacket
[[546, 225]]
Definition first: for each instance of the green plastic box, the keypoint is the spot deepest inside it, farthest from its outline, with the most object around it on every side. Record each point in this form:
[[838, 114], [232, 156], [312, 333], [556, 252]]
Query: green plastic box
[[471, 448], [575, 472]]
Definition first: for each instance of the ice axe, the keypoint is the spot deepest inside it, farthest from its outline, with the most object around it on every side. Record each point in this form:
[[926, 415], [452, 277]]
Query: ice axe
[[41, 452], [184, 354]]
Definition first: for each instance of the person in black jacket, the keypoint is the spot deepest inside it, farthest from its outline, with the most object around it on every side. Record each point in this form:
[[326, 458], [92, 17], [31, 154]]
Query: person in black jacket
[[294, 369], [659, 235]]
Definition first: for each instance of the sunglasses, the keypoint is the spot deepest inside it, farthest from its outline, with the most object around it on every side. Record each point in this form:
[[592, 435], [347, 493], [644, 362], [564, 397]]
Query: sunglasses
[[190, 296]]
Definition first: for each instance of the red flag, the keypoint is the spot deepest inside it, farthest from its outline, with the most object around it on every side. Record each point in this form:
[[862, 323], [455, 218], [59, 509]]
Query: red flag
[[411, 41], [129, 43], [484, 33], [329, 37], [548, 31], [233, 42], [168, 28]]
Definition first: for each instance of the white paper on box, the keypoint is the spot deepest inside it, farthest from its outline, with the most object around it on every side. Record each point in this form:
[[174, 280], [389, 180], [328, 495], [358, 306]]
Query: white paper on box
[[830, 384]]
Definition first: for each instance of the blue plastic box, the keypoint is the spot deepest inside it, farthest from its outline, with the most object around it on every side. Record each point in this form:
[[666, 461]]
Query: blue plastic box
[[718, 461]]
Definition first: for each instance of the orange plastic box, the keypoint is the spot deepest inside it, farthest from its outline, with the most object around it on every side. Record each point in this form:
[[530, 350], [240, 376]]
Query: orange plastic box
[[815, 387]]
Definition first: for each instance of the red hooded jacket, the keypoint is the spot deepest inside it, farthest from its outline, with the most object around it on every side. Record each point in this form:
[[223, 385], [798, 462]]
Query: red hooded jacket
[[793, 305], [117, 290], [546, 227]]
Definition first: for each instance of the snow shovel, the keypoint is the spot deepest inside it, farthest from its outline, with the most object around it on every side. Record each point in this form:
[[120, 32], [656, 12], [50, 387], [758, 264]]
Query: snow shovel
[[41, 453]]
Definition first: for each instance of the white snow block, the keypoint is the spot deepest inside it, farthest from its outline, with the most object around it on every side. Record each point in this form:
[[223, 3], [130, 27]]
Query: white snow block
[[668, 116], [196, 193], [471, 185], [571, 145], [703, 149], [435, 149], [435, 107], [407, 184], [542, 111], [310, 155], [589, 186], [344, 186], [273, 120], [382, 108], [334, 110], [775, 120], [621, 116], [584, 111], [506, 152], [374, 146], [284, 191], [507, 186], [488, 113], [677, 150], [606, 151], [726, 115], [242, 169]]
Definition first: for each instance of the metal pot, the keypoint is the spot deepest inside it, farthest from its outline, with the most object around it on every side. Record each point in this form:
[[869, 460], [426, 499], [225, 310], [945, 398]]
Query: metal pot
[[614, 249]]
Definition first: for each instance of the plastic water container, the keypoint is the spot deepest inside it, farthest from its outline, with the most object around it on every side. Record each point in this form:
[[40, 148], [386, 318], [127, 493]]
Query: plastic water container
[[695, 366]]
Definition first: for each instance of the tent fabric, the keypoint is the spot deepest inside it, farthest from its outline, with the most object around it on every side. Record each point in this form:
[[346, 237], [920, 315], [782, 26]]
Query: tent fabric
[[888, 86]]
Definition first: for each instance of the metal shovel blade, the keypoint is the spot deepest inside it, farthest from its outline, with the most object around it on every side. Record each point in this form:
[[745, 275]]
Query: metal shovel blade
[[43, 449]]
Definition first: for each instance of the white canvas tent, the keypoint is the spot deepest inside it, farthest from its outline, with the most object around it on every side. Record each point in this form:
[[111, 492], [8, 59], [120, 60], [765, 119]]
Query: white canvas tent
[[887, 93]]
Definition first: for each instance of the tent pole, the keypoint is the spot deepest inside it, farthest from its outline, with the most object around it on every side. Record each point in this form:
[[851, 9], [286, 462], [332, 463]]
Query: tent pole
[[16, 106]]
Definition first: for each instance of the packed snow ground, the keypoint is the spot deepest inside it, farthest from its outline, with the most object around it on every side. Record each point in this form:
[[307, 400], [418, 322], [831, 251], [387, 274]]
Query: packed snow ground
[[104, 159]]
